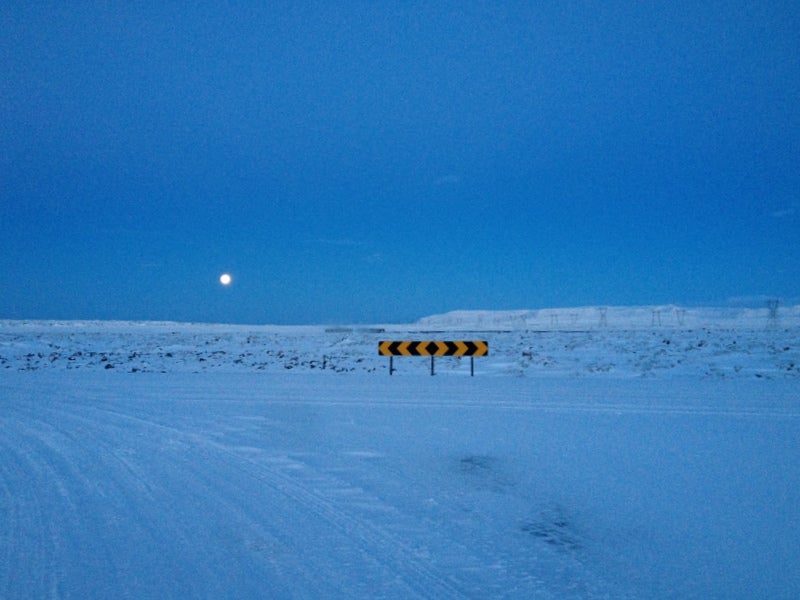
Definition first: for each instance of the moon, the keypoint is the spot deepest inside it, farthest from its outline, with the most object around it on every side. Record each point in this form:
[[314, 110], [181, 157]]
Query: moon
[[225, 279]]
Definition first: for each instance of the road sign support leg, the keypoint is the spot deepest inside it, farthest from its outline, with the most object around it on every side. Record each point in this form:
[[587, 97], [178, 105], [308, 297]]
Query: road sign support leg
[[472, 366], [431, 365], [391, 365]]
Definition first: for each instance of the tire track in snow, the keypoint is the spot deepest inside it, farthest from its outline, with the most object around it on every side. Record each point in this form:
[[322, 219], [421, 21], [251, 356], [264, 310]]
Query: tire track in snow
[[404, 572], [312, 489], [633, 407], [81, 525], [381, 544], [42, 509], [166, 448], [406, 566]]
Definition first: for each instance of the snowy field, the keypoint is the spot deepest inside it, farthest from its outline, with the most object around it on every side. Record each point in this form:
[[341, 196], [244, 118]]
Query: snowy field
[[620, 458]]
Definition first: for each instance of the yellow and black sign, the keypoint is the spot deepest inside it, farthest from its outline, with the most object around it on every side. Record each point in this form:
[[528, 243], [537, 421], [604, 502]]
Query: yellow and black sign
[[433, 348]]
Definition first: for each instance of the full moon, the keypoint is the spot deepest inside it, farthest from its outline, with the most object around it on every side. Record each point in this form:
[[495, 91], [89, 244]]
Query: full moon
[[225, 279]]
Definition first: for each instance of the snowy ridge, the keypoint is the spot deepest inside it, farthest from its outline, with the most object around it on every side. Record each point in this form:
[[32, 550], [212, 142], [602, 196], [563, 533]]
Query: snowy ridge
[[617, 317]]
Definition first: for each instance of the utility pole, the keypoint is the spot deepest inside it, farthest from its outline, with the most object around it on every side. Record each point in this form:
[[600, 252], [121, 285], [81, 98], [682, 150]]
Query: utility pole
[[772, 319]]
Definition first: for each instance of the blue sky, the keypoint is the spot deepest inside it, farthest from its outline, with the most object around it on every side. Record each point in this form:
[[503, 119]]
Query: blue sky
[[380, 161]]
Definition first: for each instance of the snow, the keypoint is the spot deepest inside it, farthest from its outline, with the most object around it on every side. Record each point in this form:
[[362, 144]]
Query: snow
[[168, 460], [619, 318]]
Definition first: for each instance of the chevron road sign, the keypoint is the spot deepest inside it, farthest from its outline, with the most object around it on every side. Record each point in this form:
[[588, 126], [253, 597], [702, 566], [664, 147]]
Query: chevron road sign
[[433, 348]]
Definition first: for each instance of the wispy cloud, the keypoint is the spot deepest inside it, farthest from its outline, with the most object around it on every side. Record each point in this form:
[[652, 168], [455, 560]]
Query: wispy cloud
[[338, 242], [375, 258], [451, 179], [784, 213]]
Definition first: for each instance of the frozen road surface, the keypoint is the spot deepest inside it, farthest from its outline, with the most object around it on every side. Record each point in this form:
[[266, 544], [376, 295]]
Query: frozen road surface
[[264, 485]]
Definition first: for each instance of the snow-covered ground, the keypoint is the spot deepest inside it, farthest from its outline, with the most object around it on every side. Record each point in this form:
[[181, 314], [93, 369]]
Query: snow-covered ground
[[615, 342], [164, 460]]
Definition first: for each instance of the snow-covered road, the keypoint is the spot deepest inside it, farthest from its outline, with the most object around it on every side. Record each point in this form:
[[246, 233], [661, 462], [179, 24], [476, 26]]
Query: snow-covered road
[[252, 485]]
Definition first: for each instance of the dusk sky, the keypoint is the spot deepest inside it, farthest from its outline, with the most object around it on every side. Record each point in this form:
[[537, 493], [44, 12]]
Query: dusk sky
[[369, 162]]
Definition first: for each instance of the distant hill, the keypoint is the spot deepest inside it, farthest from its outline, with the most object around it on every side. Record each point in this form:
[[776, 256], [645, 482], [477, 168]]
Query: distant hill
[[615, 317]]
